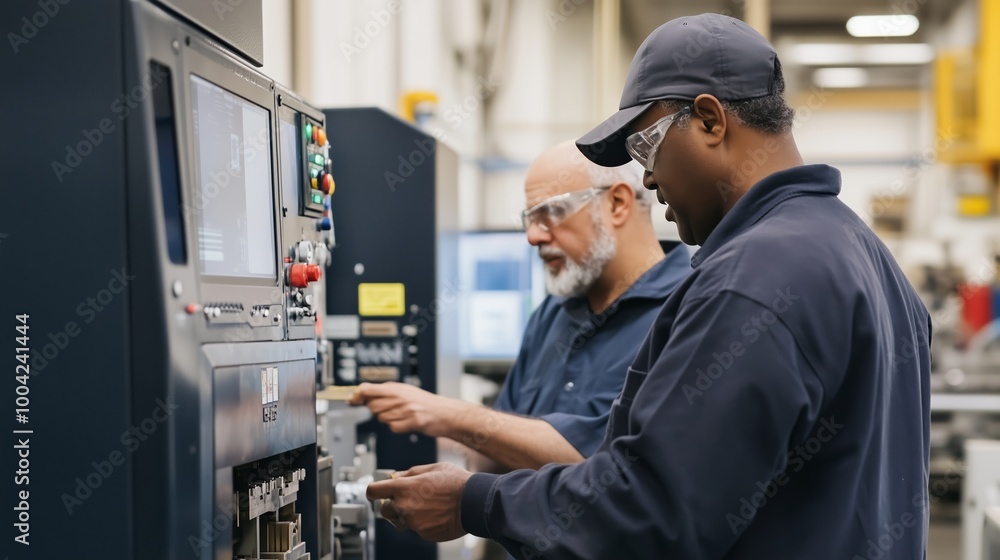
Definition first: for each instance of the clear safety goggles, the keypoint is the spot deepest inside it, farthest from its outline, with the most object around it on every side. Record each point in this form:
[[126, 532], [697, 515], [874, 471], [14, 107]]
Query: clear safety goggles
[[643, 145], [553, 211]]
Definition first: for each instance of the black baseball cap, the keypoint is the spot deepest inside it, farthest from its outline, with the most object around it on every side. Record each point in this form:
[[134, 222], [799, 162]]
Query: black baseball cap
[[682, 59]]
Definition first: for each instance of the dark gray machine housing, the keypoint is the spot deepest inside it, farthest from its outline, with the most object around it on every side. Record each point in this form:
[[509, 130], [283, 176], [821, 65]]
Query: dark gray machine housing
[[396, 210], [160, 399]]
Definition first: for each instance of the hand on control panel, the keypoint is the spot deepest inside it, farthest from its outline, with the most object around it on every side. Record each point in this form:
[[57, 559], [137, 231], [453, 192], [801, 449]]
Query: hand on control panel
[[435, 515], [405, 408]]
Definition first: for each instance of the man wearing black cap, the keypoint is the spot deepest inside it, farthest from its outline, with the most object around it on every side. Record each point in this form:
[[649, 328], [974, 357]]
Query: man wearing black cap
[[779, 407]]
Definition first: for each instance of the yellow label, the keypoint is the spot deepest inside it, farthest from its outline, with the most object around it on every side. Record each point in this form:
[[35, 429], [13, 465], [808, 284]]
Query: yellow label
[[973, 205], [381, 300]]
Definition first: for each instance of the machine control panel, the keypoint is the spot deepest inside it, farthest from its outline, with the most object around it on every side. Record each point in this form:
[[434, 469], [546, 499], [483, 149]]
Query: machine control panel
[[317, 167], [308, 235]]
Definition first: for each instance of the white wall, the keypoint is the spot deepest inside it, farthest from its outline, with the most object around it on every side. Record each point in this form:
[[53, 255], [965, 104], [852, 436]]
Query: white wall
[[278, 40], [545, 98]]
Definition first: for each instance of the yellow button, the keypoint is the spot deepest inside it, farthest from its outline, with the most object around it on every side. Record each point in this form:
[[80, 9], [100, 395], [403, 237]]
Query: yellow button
[[314, 183]]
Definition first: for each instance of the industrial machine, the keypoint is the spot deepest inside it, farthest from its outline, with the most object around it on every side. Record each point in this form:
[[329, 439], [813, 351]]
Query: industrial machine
[[393, 299], [172, 206]]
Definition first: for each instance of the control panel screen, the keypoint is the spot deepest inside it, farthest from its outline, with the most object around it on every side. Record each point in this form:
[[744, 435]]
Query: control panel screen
[[503, 282], [291, 161], [236, 217]]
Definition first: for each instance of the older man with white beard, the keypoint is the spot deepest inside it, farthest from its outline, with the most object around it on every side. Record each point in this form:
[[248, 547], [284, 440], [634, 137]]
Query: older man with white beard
[[607, 278]]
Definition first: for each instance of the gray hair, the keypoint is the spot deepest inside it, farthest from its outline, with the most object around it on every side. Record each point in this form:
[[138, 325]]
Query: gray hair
[[631, 174]]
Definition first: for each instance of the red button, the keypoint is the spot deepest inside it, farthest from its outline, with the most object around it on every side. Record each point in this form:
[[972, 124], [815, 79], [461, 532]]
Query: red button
[[327, 183], [313, 272], [191, 308], [300, 275]]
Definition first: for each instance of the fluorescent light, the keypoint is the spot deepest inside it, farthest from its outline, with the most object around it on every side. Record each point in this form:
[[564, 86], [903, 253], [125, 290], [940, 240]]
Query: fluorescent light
[[841, 77], [911, 53], [826, 54], [900, 25], [817, 54]]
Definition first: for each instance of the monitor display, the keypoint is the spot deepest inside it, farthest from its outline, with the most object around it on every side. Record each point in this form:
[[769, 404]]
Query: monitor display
[[502, 280], [236, 217]]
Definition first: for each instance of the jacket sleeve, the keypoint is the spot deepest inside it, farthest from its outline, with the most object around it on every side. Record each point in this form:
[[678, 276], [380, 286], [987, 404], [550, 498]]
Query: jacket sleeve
[[727, 398]]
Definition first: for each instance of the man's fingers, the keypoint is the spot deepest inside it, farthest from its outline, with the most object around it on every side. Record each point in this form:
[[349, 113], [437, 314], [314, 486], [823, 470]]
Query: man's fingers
[[383, 489], [389, 511], [375, 390], [389, 411], [378, 405], [419, 469]]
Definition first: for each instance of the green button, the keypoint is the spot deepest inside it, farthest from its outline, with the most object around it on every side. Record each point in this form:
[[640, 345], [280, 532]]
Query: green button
[[309, 130], [318, 159], [317, 198]]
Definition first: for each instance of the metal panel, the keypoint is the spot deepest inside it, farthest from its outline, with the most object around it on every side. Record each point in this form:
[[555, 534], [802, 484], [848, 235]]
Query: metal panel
[[238, 24], [241, 433]]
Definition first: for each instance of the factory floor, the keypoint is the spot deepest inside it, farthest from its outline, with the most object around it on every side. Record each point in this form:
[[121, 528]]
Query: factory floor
[[944, 540]]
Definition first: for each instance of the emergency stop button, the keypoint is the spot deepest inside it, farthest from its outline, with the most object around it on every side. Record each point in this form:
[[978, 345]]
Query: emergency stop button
[[300, 275], [328, 184]]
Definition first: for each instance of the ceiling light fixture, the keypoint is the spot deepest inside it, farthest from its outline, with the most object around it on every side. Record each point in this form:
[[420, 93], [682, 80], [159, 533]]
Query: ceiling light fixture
[[831, 54], [900, 25], [840, 77]]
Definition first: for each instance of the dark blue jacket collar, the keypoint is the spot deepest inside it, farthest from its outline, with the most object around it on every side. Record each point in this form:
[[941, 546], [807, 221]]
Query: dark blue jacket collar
[[761, 198]]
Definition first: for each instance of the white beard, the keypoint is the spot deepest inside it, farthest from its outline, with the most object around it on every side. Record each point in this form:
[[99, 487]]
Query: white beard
[[575, 279]]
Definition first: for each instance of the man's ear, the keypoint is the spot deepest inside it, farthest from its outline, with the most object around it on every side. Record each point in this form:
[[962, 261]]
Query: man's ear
[[622, 199], [709, 118]]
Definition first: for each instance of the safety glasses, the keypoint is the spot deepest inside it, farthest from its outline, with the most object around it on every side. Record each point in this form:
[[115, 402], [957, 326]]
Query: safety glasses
[[553, 211], [643, 145]]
